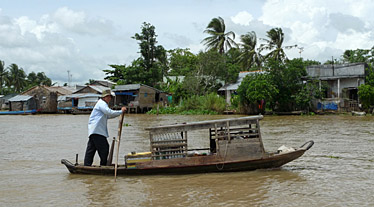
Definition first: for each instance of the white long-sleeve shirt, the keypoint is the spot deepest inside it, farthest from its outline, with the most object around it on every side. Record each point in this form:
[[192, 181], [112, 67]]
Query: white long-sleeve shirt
[[97, 123]]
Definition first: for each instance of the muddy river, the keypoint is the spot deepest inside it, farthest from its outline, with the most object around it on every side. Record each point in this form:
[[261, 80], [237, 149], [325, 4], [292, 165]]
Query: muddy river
[[337, 171]]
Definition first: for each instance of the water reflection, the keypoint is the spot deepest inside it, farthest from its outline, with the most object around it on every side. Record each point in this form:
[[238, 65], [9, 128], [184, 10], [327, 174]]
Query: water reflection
[[237, 188]]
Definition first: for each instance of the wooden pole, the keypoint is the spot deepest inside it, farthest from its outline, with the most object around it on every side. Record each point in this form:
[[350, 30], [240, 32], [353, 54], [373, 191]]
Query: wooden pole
[[118, 140], [111, 152]]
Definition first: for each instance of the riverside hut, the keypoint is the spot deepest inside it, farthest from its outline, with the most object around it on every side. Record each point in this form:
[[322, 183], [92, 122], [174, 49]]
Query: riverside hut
[[45, 98], [138, 97], [22, 103]]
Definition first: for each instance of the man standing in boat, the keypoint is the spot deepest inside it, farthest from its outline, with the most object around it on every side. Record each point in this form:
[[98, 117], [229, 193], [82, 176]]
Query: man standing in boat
[[98, 130]]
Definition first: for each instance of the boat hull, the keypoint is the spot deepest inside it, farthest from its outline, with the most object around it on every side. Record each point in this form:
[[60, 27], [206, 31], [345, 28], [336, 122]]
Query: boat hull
[[272, 161]]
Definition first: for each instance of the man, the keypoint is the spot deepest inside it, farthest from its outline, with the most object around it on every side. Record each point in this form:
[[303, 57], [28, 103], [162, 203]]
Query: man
[[98, 130]]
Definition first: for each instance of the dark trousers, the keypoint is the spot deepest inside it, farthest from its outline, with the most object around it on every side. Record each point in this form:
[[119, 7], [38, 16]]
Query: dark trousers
[[99, 143]]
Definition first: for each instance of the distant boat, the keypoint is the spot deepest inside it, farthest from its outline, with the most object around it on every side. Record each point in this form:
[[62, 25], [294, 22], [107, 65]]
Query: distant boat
[[358, 113], [18, 112]]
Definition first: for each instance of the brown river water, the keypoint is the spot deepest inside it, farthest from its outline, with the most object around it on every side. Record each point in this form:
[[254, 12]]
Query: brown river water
[[337, 171]]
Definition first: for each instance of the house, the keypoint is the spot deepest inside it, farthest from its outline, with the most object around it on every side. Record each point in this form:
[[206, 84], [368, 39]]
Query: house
[[229, 90], [4, 101], [342, 83], [77, 103], [22, 103], [82, 100], [138, 97], [45, 98]]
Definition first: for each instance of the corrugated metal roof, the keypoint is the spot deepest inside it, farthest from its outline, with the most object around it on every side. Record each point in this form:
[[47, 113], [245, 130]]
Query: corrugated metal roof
[[127, 87], [235, 86], [60, 90], [132, 87], [20, 98], [78, 95], [98, 88]]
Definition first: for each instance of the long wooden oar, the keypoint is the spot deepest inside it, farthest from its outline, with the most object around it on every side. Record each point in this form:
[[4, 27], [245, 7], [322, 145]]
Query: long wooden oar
[[118, 141]]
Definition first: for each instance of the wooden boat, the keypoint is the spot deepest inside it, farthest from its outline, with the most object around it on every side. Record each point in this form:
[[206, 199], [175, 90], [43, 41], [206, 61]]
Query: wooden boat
[[235, 145], [33, 111]]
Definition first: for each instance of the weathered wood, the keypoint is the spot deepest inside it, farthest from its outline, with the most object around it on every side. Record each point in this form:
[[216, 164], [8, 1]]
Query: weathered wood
[[118, 142], [240, 149], [171, 140], [111, 152], [203, 125], [233, 135]]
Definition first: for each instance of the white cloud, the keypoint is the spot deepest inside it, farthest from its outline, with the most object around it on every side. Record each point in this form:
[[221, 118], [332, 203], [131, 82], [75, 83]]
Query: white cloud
[[325, 26], [41, 45], [78, 22], [242, 18]]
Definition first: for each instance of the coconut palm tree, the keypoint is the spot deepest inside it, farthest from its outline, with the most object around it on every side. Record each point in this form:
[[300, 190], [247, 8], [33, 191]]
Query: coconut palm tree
[[274, 44], [16, 78], [218, 39], [3, 75], [249, 57]]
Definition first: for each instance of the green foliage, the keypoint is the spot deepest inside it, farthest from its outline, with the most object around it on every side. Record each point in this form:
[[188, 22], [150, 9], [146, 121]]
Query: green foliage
[[213, 102], [357, 56], [366, 95], [182, 62], [147, 69], [274, 43], [308, 92], [218, 39], [255, 88], [14, 79], [249, 57], [209, 104], [366, 91], [287, 79]]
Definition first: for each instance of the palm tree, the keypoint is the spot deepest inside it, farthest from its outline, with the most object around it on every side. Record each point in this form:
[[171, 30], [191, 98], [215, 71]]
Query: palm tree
[[218, 39], [16, 78], [274, 43], [3, 75], [249, 57]]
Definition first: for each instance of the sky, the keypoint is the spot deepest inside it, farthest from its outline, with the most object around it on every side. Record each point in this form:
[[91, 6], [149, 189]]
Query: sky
[[85, 36]]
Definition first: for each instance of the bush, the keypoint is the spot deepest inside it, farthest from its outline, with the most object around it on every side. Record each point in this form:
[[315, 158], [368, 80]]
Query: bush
[[213, 102], [209, 104]]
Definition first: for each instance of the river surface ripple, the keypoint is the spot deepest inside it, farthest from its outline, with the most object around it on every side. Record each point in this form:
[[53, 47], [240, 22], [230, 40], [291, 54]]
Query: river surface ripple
[[337, 171]]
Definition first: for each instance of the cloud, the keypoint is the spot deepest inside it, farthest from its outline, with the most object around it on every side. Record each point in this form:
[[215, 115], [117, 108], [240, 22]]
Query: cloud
[[78, 22], [43, 45], [172, 40], [326, 25], [242, 18]]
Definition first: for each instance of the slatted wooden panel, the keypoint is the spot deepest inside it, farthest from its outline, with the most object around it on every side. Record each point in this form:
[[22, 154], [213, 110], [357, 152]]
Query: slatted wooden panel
[[168, 145]]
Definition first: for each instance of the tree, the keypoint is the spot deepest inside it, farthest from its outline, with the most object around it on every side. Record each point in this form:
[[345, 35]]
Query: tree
[[286, 76], [218, 39], [211, 69], [16, 78], [256, 88], [274, 43], [3, 75], [182, 61], [356, 56], [308, 92], [153, 57], [249, 56], [366, 95]]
